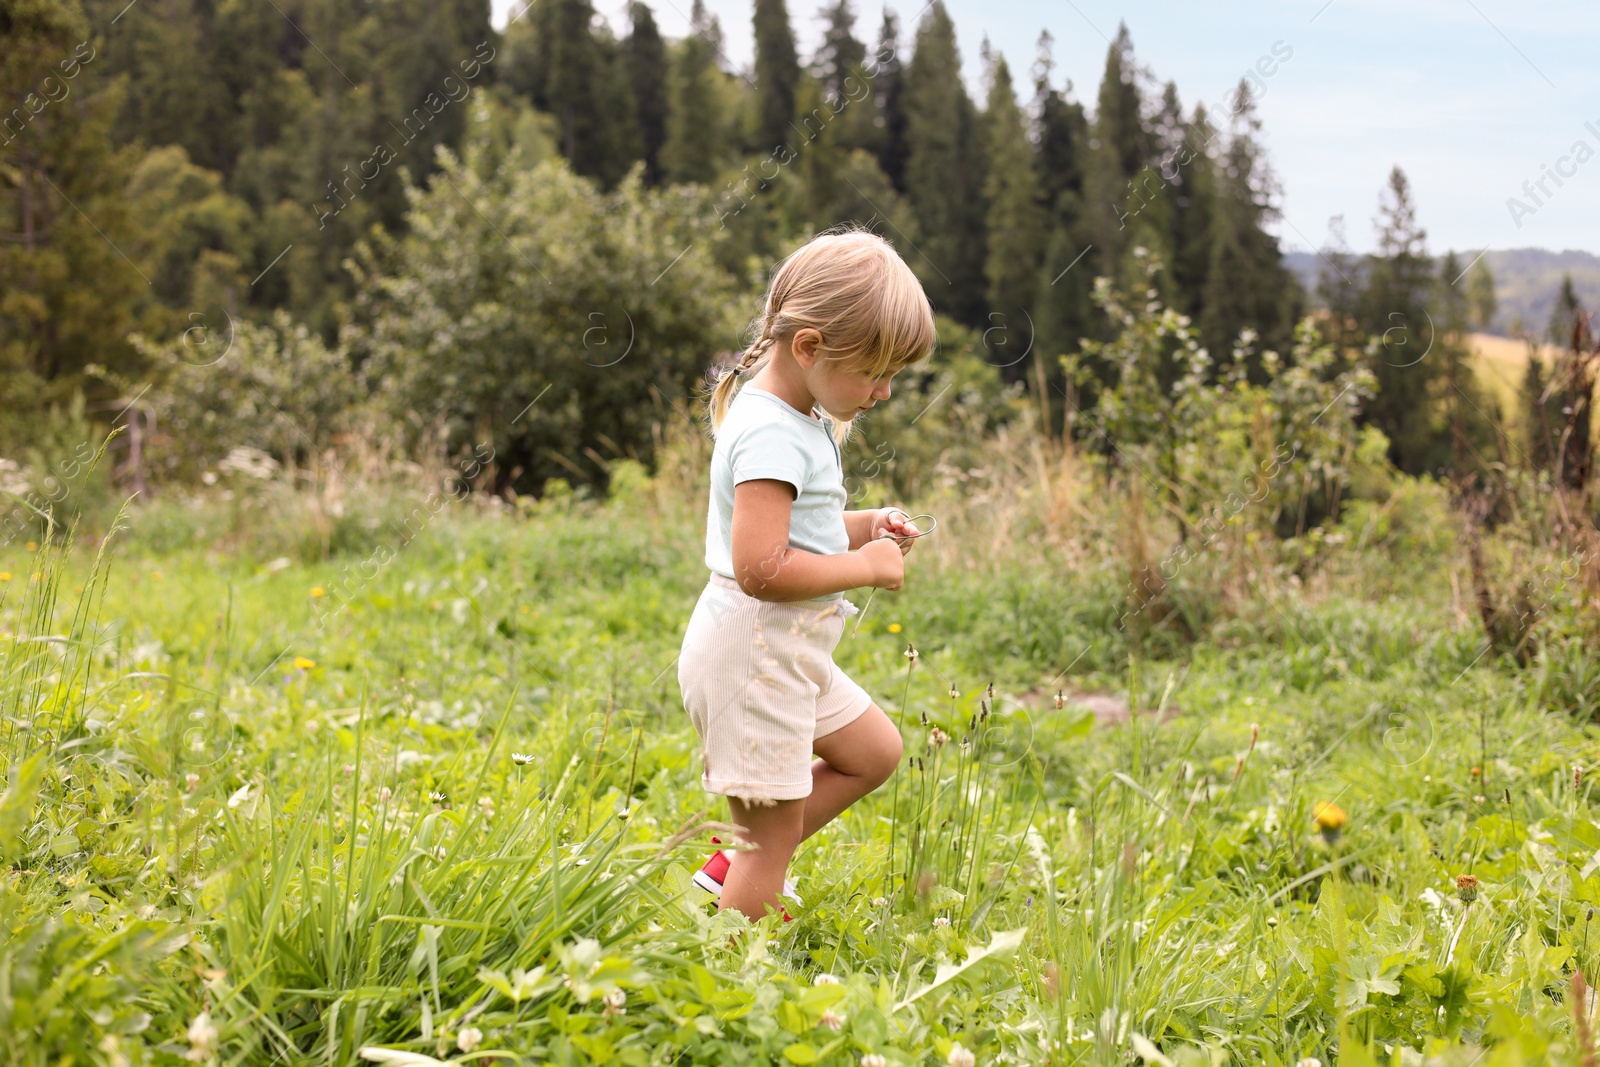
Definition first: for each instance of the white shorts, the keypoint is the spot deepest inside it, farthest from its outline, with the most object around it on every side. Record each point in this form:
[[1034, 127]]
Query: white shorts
[[760, 685]]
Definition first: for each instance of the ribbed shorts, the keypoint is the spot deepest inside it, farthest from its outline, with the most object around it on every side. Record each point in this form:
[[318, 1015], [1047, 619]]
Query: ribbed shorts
[[760, 685]]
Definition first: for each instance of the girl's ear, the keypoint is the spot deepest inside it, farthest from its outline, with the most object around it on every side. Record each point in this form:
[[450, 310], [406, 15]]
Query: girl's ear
[[804, 345]]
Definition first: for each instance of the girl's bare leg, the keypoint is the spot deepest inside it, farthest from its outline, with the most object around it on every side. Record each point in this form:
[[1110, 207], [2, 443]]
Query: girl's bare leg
[[755, 874], [855, 760]]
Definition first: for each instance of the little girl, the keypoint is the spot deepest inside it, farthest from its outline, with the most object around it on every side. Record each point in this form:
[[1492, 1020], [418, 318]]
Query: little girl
[[843, 316]]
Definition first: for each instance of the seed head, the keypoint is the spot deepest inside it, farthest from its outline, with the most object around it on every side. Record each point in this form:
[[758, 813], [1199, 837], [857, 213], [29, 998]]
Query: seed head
[[1061, 700]]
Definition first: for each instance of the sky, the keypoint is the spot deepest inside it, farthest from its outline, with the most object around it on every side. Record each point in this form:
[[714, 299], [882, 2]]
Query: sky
[[1471, 98]]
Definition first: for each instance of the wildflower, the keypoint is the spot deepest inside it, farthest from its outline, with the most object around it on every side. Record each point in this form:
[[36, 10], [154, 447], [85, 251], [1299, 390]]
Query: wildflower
[[111, 1045], [190, 781], [438, 797], [469, 1038], [941, 921], [1061, 700], [615, 1001], [824, 979], [5, 576], [303, 664], [385, 793], [202, 1038], [954, 694], [911, 653], [894, 627], [1479, 798], [317, 590], [1309, 1061], [961, 1056], [832, 1020], [1272, 920], [938, 737], [878, 902], [1477, 772], [521, 759], [33, 546], [1467, 888], [872, 1059], [1330, 819], [486, 805], [349, 769]]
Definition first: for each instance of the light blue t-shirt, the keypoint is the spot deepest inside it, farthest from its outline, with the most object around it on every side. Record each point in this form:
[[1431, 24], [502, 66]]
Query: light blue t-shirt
[[763, 437]]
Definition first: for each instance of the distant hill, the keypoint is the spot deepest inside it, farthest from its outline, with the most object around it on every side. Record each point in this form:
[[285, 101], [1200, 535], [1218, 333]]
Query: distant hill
[[1526, 281]]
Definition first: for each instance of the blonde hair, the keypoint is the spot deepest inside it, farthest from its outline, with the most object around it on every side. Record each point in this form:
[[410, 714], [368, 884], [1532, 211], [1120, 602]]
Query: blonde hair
[[852, 287]]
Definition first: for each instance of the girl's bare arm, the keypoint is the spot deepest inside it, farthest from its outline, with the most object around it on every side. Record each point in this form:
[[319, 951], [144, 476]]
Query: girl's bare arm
[[768, 569]]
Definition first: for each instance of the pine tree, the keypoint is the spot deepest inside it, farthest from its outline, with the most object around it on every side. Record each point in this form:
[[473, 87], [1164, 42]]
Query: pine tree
[[647, 68], [69, 293], [1064, 312], [1014, 224], [893, 149], [1193, 175], [1481, 296], [1394, 313], [695, 142], [944, 172], [777, 76], [585, 91], [1247, 284], [1564, 314], [1122, 148], [847, 80]]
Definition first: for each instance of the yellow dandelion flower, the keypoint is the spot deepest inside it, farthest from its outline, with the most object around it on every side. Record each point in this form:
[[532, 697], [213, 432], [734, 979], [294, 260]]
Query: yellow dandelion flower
[[1330, 818], [5, 576], [303, 664], [894, 627], [317, 590], [33, 546]]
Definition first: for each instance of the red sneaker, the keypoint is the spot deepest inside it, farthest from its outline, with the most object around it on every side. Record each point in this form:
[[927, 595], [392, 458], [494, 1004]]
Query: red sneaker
[[714, 872]]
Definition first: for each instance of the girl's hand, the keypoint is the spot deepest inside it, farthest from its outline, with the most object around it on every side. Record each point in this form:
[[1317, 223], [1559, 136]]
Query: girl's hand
[[896, 524], [887, 561]]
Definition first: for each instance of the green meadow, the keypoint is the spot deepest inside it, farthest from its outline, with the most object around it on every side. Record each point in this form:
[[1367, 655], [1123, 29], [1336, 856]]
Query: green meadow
[[432, 796]]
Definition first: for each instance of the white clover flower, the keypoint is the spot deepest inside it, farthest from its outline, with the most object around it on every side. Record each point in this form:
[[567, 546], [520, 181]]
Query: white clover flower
[[1309, 1061], [941, 921], [469, 1038], [615, 1001], [832, 1020], [878, 902], [872, 1059], [202, 1038], [825, 979], [960, 1056]]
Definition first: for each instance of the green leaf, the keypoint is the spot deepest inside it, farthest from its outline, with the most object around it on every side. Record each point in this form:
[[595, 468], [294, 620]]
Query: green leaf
[[800, 1052]]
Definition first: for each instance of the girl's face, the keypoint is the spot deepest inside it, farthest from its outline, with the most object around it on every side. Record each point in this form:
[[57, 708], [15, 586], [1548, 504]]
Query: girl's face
[[845, 393], [842, 391]]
